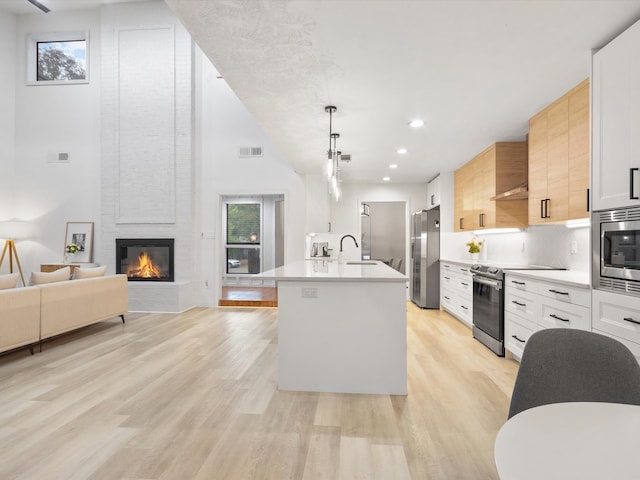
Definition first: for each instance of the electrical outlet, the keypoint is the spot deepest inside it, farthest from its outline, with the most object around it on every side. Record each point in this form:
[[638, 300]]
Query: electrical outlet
[[309, 292], [574, 247]]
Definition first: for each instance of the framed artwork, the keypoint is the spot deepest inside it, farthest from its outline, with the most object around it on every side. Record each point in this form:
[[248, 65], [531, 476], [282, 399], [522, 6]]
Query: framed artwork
[[79, 234], [58, 58]]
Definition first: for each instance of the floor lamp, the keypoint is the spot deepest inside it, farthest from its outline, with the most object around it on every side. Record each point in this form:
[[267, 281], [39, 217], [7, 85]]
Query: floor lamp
[[10, 248]]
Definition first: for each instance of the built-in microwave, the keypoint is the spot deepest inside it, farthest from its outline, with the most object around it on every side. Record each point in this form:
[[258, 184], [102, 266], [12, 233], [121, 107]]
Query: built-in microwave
[[616, 250]]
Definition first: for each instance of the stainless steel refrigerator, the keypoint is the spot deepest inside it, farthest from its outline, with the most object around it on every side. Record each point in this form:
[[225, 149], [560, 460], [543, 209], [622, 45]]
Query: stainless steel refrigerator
[[425, 258]]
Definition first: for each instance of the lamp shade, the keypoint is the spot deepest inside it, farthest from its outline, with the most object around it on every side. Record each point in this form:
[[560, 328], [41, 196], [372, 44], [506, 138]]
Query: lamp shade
[[14, 229]]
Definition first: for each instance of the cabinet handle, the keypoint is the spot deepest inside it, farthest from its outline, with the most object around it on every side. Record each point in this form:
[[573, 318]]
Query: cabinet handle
[[553, 315], [631, 189], [446, 266], [447, 297], [329, 227], [541, 208], [631, 320], [464, 307], [547, 203], [461, 223], [518, 283], [481, 219], [465, 284], [464, 270], [558, 292], [519, 304], [588, 200], [433, 202], [447, 278], [516, 337]]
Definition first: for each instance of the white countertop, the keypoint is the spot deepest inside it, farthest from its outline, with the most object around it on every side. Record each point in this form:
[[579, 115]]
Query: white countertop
[[569, 277], [331, 270]]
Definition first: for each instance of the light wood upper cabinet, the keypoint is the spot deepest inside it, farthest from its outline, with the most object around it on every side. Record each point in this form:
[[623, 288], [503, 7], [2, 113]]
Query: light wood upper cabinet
[[499, 168], [579, 151], [559, 159], [463, 199]]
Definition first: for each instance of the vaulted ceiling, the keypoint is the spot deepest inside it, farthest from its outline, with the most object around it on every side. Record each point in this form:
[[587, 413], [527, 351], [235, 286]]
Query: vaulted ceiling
[[474, 70]]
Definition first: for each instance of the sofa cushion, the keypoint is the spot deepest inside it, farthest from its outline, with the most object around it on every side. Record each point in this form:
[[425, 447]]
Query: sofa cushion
[[9, 281], [40, 278], [89, 272]]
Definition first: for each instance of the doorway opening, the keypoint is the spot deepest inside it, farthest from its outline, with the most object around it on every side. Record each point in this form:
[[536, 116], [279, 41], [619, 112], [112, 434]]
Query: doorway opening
[[253, 242], [383, 226]]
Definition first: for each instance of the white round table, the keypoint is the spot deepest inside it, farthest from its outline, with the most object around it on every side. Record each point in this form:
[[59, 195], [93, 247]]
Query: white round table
[[580, 440]]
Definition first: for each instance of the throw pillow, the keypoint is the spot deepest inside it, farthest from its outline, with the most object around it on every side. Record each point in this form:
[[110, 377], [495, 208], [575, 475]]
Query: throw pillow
[[40, 278], [9, 281], [89, 272]]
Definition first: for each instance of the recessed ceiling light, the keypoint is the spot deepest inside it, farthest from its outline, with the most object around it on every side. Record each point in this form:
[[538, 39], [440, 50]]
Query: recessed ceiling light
[[416, 123], [401, 151], [393, 165], [386, 179]]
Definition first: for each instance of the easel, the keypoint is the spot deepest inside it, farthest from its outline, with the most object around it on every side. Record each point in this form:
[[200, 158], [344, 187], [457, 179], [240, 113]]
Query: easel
[[10, 247]]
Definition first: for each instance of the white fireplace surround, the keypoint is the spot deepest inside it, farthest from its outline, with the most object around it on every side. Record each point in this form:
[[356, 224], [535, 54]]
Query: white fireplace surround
[[146, 102]]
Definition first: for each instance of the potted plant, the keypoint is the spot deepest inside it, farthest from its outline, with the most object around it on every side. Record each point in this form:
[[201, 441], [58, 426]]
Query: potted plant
[[474, 246]]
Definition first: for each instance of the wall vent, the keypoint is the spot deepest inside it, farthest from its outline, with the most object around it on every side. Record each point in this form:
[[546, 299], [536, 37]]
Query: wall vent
[[250, 152], [620, 215], [346, 157]]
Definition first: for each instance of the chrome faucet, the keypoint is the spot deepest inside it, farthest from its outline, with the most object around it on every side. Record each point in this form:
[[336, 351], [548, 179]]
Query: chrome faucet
[[345, 236]]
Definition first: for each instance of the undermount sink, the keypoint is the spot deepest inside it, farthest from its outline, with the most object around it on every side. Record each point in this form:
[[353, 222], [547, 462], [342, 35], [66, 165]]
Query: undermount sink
[[363, 262]]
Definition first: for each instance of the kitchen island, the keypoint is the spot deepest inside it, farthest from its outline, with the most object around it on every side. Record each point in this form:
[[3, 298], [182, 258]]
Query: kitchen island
[[341, 327]]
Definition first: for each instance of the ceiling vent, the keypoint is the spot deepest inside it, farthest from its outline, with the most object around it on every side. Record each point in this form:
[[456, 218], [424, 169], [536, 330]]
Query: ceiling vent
[[250, 152]]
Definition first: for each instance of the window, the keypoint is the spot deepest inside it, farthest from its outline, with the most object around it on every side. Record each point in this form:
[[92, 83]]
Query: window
[[58, 58], [243, 238]]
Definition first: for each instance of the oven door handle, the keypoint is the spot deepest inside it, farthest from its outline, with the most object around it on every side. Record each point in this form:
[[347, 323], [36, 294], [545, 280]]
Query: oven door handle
[[497, 284]]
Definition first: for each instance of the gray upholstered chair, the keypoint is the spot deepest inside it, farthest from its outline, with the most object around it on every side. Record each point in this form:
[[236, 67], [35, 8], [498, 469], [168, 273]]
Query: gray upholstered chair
[[567, 365]]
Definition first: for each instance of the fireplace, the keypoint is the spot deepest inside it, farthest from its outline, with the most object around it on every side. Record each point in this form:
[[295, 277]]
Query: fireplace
[[145, 259]]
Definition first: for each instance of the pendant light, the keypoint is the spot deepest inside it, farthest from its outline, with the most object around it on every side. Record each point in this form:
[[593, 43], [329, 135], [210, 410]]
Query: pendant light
[[332, 169]]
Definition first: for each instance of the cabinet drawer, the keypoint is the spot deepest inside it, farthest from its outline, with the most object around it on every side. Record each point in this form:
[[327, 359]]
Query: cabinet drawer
[[556, 314], [617, 315], [563, 293], [556, 290], [448, 279], [447, 298], [465, 286], [516, 336], [522, 304]]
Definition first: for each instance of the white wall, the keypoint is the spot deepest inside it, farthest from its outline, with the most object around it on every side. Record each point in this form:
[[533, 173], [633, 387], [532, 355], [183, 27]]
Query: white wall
[[345, 215], [49, 119], [7, 113], [223, 125]]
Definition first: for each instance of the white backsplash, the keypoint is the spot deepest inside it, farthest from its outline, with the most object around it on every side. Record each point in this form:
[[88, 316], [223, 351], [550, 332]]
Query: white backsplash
[[548, 245]]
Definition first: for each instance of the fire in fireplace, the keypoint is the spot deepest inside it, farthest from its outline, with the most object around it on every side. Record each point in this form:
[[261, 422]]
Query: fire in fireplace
[[145, 259]]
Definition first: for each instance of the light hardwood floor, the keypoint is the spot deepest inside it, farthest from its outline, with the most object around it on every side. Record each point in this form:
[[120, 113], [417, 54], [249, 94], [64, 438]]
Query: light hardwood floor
[[193, 396]]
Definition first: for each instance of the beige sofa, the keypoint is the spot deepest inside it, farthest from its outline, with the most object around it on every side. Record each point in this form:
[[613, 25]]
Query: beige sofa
[[32, 314], [19, 318]]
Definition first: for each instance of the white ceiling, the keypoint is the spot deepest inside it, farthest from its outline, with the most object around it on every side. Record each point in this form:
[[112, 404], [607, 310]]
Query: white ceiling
[[474, 70], [23, 7]]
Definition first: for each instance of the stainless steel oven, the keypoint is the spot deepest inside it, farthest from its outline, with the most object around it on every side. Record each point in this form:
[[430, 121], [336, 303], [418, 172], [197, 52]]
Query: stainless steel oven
[[488, 307], [616, 250]]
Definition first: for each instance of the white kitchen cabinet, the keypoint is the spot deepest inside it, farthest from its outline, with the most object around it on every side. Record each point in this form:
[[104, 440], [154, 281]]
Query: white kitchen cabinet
[[535, 304], [456, 290], [318, 205], [615, 179], [433, 193], [618, 316]]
